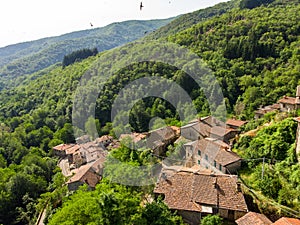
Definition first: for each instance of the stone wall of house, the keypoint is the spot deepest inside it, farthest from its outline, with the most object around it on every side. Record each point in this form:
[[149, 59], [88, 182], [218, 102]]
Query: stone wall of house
[[239, 214], [192, 218], [284, 107], [190, 132], [74, 185]]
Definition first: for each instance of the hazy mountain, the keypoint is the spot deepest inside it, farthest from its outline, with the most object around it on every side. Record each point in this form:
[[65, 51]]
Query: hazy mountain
[[29, 57]]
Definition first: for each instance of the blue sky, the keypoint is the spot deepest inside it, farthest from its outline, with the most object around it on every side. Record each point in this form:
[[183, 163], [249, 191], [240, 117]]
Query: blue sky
[[25, 20]]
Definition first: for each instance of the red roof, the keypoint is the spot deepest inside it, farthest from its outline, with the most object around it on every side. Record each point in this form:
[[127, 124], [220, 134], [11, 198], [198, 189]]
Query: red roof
[[234, 122], [252, 218], [288, 100], [190, 191], [63, 147], [287, 221]]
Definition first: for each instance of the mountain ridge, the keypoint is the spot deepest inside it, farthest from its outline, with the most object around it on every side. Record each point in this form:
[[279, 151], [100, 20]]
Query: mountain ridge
[[15, 59]]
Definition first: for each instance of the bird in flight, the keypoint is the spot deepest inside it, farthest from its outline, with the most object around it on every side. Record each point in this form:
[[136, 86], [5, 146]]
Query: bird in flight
[[91, 24], [141, 6]]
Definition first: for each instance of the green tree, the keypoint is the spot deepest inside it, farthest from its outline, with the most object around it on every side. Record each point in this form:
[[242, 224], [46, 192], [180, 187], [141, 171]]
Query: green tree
[[211, 220]]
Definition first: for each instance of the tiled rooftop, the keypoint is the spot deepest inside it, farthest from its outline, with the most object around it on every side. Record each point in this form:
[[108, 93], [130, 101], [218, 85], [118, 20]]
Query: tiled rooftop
[[252, 218], [188, 191]]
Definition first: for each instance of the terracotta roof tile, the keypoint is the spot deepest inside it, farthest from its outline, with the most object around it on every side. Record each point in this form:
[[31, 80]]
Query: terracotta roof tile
[[81, 171], [287, 100], [136, 137], [216, 150], [230, 197], [225, 157], [63, 147], [287, 221], [252, 218], [104, 138], [236, 123], [72, 150], [188, 191]]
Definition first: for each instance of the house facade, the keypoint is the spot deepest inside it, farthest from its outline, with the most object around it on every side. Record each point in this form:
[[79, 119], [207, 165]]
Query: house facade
[[158, 140], [89, 174], [208, 127], [212, 154]]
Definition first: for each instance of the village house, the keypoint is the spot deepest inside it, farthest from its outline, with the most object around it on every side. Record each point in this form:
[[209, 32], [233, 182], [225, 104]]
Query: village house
[[60, 150], [208, 127], [159, 139], [134, 138], [195, 195], [73, 154], [235, 124], [253, 218], [266, 109], [104, 140], [212, 154], [91, 151], [285, 104], [89, 174]]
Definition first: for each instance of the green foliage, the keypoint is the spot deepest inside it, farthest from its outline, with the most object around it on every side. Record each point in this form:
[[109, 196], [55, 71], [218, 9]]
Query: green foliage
[[272, 141], [157, 213], [111, 204], [211, 220], [250, 4], [277, 178], [78, 55], [254, 55]]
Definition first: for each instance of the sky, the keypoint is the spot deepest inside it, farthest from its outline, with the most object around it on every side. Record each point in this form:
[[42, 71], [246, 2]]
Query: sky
[[25, 20]]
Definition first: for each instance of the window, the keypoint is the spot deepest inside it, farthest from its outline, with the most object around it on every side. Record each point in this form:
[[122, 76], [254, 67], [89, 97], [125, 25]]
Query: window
[[206, 157], [215, 163], [198, 162], [220, 167], [199, 152]]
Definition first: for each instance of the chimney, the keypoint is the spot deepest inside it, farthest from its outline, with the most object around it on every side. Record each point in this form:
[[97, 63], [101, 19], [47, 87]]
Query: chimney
[[215, 184], [238, 186]]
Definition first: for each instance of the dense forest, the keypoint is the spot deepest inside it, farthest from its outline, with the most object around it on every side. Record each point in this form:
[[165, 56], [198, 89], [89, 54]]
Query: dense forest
[[255, 56]]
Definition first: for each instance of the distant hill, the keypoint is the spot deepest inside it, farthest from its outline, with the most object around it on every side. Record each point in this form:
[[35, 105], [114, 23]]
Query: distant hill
[[29, 57], [187, 20]]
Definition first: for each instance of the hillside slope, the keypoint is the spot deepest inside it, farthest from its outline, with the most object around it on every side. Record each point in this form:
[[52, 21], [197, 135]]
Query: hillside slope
[[255, 55], [29, 57], [187, 20]]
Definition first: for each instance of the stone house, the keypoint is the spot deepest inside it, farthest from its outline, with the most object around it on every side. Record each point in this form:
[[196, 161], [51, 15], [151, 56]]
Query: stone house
[[105, 140], [288, 104], [194, 195], [159, 139], [89, 174], [60, 150], [208, 127], [212, 154], [285, 104], [235, 124], [266, 109]]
